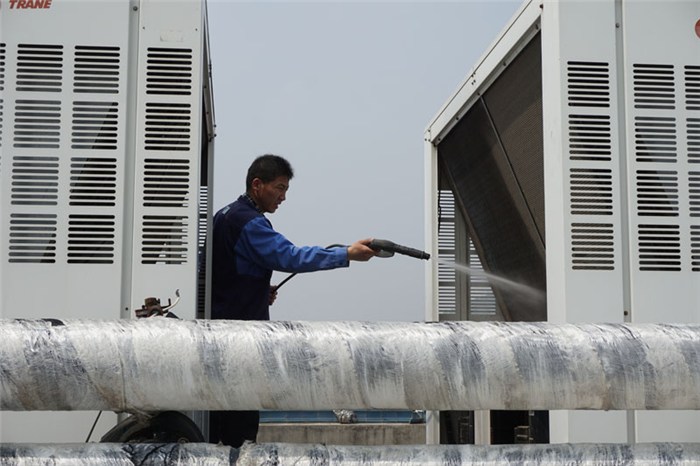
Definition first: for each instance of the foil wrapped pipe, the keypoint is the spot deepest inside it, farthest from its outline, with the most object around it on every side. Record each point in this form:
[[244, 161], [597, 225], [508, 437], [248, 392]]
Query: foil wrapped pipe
[[274, 454], [161, 364]]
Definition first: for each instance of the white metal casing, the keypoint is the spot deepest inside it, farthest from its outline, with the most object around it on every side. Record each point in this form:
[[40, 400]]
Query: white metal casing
[[101, 141], [621, 128]]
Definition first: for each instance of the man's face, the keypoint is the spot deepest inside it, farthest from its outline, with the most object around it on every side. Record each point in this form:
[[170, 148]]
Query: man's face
[[269, 196]]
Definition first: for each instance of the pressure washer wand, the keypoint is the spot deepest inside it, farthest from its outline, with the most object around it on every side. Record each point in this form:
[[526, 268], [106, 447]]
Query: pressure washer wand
[[386, 248]]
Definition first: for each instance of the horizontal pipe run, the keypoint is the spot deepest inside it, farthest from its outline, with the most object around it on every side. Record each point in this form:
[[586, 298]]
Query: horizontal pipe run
[[160, 364], [110, 454]]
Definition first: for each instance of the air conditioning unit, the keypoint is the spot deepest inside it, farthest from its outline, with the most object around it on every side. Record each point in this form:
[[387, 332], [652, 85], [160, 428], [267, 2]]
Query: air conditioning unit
[[572, 150], [106, 135]]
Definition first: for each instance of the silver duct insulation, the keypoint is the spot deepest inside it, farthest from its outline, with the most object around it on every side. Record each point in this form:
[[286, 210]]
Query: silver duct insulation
[[105, 454], [160, 364]]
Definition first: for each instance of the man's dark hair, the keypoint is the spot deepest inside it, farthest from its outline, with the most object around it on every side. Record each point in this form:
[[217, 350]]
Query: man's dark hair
[[268, 167]]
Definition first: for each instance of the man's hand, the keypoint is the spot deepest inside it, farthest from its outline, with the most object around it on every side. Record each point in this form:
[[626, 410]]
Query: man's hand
[[273, 294], [359, 251]]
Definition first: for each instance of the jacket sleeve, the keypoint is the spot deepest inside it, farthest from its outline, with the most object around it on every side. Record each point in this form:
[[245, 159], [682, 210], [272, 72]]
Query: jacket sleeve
[[261, 244]]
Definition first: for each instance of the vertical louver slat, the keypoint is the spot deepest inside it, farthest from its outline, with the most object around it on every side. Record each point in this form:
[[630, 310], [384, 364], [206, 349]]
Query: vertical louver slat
[[588, 84], [39, 68], [695, 248], [2, 88], [694, 193], [654, 87], [96, 70]]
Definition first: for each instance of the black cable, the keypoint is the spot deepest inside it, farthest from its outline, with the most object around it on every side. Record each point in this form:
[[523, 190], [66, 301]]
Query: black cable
[[93, 426]]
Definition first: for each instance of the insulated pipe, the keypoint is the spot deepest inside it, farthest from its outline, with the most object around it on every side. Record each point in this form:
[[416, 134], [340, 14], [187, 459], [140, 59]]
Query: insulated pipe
[[110, 454], [159, 364]]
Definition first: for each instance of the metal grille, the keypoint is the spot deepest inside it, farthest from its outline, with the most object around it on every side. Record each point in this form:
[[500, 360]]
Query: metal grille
[[39, 68], [34, 180], [169, 71], [592, 246], [201, 251], [695, 248], [168, 126], [591, 191], [659, 248], [93, 181], [653, 86], [694, 193], [91, 239], [590, 137], [32, 238], [166, 183], [692, 87], [96, 70], [2, 67], [693, 128], [657, 193], [164, 239], [37, 124], [95, 125], [588, 84], [447, 282], [655, 139]]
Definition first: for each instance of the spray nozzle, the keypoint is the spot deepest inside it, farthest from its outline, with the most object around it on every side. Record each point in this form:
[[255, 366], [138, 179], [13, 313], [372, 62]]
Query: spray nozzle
[[386, 248]]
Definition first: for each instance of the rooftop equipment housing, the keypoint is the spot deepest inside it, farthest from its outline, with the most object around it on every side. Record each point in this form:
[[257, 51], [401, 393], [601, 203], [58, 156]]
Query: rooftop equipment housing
[[106, 149], [571, 153]]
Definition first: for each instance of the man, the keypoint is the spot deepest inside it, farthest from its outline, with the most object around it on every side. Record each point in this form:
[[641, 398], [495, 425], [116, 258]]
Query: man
[[246, 249]]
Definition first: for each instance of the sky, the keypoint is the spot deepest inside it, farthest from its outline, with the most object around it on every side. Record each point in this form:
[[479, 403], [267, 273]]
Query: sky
[[344, 91]]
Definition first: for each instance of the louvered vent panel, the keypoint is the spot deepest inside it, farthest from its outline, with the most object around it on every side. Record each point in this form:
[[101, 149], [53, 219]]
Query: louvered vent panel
[[37, 124], [447, 295], [164, 239], [694, 193], [32, 238], [654, 87], [659, 248], [657, 193], [34, 180], [692, 87], [695, 248], [591, 191], [590, 137], [201, 251], [693, 129], [588, 84], [93, 181], [655, 139], [39, 68], [166, 183], [96, 70], [94, 125], [169, 71], [592, 246], [168, 126], [91, 239], [2, 67], [482, 301]]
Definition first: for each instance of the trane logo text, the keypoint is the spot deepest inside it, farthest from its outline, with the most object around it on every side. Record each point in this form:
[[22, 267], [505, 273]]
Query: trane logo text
[[33, 4]]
